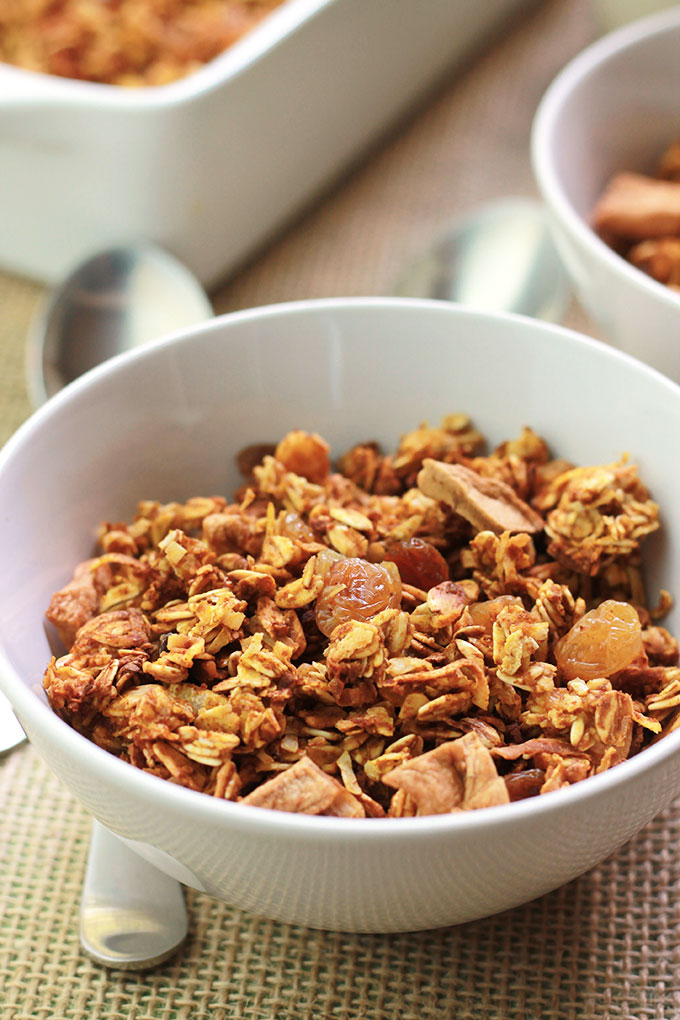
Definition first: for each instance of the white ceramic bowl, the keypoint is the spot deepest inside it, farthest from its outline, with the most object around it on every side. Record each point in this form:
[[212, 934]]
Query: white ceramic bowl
[[613, 108], [211, 166], [164, 422]]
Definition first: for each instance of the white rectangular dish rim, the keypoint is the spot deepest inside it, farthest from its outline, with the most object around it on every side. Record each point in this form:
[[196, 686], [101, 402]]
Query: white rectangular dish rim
[[20, 85]]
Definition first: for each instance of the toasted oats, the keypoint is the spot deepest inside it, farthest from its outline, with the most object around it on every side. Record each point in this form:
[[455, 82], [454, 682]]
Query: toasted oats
[[267, 650], [347, 541], [208, 748], [225, 782], [597, 514], [668, 697], [131, 43], [351, 518], [302, 591]]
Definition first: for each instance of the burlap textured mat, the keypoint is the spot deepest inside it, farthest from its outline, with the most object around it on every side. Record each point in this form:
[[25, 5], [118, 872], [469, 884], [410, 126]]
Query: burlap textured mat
[[605, 946]]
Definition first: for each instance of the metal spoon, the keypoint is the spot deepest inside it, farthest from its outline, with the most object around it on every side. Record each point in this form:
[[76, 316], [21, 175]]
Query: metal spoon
[[499, 257], [116, 300], [132, 915]]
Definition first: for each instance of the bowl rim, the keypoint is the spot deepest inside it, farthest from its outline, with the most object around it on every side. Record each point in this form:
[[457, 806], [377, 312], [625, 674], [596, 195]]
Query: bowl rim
[[20, 85], [204, 808], [544, 129]]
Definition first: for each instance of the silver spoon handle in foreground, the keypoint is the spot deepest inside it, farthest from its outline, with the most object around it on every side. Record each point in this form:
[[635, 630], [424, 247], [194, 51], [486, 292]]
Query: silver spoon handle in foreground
[[132, 916]]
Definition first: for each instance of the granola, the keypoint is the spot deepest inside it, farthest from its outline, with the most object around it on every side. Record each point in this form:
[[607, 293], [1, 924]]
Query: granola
[[432, 630], [639, 216], [126, 42]]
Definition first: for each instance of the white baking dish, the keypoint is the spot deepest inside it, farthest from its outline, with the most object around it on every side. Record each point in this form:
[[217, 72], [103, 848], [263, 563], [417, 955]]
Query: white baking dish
[[210, 166]]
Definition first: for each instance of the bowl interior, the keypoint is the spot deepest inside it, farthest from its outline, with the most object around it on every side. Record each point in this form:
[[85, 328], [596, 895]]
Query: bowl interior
[[165, 423]]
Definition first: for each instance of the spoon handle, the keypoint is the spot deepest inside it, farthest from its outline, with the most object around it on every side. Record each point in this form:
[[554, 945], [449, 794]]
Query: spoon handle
[[132, 916]]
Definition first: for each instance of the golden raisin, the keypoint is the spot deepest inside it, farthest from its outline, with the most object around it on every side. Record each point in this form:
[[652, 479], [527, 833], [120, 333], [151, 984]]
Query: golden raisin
[[418, 562], [293, 526], [305, 454], [603, 641], [356, 590]]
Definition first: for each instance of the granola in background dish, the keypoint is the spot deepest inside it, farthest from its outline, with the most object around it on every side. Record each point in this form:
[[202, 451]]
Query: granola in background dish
[[128, 42], [427, 631], [639, 216]]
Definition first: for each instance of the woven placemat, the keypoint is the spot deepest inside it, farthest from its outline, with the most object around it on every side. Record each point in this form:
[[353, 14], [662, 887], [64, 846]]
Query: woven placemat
[[605, 946]]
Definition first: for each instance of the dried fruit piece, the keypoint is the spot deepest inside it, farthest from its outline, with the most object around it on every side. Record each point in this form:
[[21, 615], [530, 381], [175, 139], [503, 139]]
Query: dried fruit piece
[[306, 789], [305, 454], [487, 503], [418, 562], [355, 589], [459, 775], [636, 207], [293, 526], [604, 641]]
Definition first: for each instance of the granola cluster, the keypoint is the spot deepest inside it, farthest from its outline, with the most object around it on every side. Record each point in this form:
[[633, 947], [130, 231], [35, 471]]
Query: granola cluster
[[428, 631], [123, 42], [639, 216]]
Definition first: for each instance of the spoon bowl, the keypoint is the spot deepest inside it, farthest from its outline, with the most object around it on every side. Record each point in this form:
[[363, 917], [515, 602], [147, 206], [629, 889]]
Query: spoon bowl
[[114, 301], [499, 257]]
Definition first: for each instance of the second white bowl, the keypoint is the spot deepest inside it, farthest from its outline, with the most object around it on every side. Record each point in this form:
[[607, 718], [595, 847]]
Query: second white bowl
[[613, 108]]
